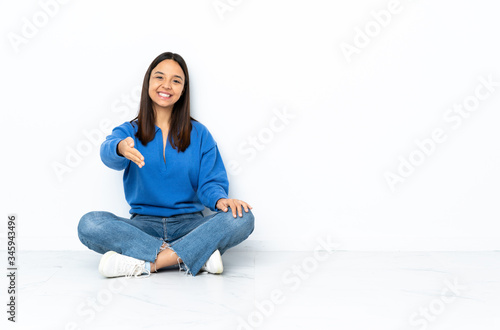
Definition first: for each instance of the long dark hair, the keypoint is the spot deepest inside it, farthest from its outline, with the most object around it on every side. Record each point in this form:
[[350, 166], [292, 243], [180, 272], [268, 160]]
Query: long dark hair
[[179, 133]]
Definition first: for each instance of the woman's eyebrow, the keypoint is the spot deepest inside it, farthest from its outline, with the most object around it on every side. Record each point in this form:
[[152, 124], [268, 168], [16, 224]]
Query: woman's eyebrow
[[164, 74]]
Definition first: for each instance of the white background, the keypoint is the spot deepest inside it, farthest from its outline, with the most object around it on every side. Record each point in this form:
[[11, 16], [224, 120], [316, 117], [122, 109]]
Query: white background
[[351, 119]]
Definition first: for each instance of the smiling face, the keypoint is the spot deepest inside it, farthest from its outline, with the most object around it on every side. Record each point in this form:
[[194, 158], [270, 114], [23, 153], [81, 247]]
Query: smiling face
[[166, 84]]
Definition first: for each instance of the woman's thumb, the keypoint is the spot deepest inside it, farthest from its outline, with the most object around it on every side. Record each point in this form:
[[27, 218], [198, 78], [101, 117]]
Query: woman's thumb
[[130, 142]]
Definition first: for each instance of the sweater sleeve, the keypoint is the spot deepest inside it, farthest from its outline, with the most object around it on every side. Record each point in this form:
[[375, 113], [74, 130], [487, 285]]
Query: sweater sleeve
[[109, 154], [212, 183]]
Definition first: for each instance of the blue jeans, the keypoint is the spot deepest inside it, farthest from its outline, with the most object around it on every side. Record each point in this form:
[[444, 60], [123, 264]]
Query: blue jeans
[[192, 236]]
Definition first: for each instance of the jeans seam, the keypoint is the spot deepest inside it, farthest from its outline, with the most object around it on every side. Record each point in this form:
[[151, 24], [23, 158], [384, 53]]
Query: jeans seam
[[164, 220]]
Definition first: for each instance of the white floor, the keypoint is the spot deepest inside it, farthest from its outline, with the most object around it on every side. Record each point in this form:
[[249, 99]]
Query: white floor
[[265, 290]]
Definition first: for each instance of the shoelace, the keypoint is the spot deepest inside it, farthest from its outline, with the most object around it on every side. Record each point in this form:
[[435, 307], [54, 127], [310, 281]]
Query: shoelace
[[140, 275], [132, 268]]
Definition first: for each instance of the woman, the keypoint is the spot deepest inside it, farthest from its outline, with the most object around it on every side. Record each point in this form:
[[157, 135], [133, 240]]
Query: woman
[[173, 169]]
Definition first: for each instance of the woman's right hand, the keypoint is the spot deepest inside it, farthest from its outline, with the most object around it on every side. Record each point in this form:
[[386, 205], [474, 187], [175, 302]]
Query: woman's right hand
[[127, 150]]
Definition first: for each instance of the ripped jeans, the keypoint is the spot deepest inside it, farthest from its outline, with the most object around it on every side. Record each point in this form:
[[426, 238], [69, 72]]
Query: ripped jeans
[[192, 236]]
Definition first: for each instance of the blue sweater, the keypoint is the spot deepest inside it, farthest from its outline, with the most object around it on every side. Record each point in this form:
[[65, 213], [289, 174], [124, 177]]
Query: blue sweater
[[185, 183]]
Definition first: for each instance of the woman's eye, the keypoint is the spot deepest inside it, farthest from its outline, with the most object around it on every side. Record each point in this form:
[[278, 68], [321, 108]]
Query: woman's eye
[[159, 77], [177, 81]]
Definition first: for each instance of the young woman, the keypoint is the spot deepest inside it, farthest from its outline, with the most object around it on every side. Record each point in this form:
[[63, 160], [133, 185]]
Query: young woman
[[173, 169]]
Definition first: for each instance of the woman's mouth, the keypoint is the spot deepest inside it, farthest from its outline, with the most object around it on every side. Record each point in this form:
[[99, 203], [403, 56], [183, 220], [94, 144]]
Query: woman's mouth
[[164, 96]]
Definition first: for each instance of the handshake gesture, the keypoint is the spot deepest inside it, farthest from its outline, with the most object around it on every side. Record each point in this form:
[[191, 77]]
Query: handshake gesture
[[126, 149]]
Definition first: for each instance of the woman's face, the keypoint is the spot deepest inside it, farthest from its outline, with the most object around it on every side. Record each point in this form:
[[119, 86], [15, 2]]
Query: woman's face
[[166, 84]]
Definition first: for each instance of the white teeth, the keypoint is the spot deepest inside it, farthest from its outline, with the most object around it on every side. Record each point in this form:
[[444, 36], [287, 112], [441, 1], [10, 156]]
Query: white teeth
[[164, 95]]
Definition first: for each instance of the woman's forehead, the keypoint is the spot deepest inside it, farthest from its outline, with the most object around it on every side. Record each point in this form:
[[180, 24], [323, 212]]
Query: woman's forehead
[[168, 67]]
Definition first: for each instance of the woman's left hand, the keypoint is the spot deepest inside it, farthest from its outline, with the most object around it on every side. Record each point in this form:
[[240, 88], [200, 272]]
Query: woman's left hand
[[235, 204]]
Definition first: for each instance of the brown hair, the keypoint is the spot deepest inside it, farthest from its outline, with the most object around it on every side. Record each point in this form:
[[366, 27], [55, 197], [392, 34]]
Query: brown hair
[[179, 134]]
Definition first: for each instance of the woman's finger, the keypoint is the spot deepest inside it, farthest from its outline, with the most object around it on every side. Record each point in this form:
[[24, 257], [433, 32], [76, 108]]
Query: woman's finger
[[240, 205], [232, 205], [129, 141], [139, 160], [135, 159], [245, 205], [136, 153]]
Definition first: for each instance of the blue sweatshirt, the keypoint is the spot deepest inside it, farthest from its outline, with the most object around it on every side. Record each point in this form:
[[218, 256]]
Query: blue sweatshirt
[[184, 183]]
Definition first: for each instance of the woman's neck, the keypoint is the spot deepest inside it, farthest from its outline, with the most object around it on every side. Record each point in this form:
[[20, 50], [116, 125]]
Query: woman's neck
[[163, 117]]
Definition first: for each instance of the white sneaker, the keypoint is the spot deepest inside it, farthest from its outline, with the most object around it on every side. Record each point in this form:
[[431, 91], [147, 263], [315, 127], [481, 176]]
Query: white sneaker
[[113, 264], [213, 264]]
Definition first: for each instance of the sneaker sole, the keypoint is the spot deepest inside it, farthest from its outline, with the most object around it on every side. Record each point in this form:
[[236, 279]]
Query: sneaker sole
[[103, 261]]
